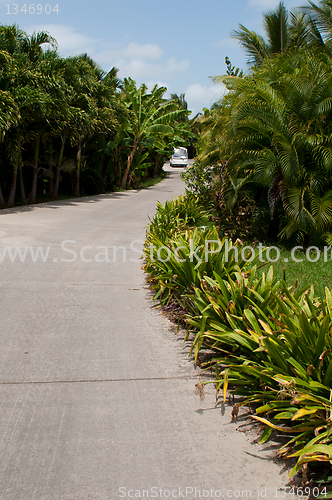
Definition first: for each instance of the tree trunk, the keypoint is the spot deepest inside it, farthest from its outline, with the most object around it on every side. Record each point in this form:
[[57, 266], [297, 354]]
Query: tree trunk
[[21, 184], [32, 198], [117, 172], [156, 166], [130, 179], [33, 193], [130, 159], [103, 173], [2, 200], [12, 193], [51, 188], [77, 170], [58, 168], [56, 183]]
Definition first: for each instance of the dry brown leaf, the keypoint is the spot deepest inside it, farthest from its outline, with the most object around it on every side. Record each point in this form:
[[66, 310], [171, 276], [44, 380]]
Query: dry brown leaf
[[235, 411]]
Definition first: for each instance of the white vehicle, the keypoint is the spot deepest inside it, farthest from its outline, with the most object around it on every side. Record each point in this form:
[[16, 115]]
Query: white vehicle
[[179, 158]]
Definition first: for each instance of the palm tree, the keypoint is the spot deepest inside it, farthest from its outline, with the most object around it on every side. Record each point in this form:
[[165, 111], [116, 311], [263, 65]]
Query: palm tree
[[278, 136], [320, 22], [284, 30], [28, 100], [9, 117], [56, 74], [51, 107], [91, 105], [11, 38], [32, 45], [21, 77]]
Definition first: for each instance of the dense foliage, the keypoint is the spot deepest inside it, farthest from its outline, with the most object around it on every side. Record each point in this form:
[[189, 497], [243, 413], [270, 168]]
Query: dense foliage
[[265, 160], [269, 343], [269, 137], [67, 126]]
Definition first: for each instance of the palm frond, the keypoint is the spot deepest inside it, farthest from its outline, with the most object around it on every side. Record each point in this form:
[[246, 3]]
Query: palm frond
[[252, 43]]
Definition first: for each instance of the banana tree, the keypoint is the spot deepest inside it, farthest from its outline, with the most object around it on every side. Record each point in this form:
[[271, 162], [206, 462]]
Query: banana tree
[[149, 115]]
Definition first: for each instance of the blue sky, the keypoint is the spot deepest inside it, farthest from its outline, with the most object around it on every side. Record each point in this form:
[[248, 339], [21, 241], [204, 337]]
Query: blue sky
[[178, 43]]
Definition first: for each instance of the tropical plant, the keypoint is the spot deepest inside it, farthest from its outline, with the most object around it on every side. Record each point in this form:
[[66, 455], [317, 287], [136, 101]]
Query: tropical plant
[[274, 349], [320, 24], [28, 96], [284, 30], [267, 343], [231, 70], [64, 118], [183, 246], [149, 114], [273, 132]]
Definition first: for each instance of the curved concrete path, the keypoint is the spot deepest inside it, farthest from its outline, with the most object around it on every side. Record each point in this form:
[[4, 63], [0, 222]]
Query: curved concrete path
[[97, 394]]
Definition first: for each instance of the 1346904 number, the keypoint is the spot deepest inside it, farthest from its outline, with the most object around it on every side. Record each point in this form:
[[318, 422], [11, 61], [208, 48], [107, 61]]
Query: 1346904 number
[[32, 8], [300, 492]]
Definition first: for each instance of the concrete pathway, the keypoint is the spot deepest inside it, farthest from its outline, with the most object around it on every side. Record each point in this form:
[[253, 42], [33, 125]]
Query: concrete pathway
[[97, 394]]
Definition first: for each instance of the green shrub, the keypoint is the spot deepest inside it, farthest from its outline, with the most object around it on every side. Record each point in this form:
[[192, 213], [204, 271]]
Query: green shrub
[[275, 348], [202, 180], [270, 343]]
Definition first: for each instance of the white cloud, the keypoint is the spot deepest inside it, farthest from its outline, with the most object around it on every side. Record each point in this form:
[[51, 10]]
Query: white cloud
[[69, 40], [136, 51], [226, 43], [131, 52], [139, 61], [140, 68], [151, 83], [202, 96]]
